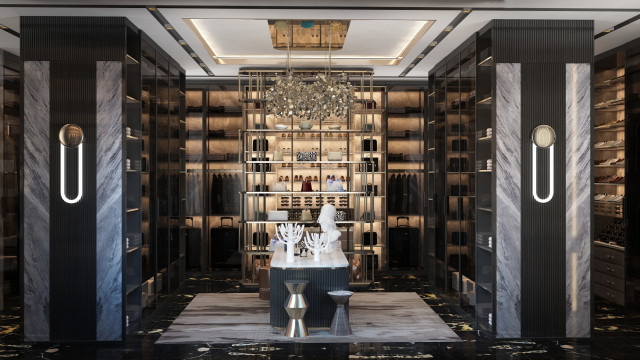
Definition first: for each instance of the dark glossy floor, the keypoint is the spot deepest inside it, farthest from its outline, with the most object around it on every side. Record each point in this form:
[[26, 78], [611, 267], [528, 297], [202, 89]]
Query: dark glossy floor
[[616, 336]]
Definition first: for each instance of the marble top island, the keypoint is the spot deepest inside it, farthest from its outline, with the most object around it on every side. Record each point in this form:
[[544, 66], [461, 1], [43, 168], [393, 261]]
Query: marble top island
[[335, 259]]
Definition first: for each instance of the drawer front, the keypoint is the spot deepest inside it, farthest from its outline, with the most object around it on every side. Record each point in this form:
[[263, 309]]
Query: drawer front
[[609, 255], [608, 281], [616, 297], [609, 269]]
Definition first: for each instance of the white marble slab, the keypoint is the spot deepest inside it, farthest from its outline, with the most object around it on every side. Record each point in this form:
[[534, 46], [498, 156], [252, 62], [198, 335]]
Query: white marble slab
[[578, 200], [241, 317], [36, 97], [508, 199], [335, 259], [109, 201]]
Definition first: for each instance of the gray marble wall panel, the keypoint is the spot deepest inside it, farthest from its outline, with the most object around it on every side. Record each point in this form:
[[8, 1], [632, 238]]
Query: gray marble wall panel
[[578, 200], [36, 200], [109, 201], [508, 199]]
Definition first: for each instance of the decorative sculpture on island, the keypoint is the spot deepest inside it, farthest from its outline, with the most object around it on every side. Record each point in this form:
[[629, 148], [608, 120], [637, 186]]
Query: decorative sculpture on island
[[290, 235], [317, 243], [327, 221]]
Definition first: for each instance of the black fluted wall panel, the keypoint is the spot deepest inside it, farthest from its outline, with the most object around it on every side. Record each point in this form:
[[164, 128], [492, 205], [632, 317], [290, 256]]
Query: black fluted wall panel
[[72, 45], [543, 41], [60, 38], [543, 224], [73, 226]]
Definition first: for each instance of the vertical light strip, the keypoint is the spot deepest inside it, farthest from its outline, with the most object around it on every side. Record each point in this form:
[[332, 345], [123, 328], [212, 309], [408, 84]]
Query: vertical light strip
[[534, 186], [63, 184]]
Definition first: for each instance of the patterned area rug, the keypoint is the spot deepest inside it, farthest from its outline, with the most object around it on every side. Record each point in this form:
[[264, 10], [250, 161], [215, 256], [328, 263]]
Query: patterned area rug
[[228, 318]]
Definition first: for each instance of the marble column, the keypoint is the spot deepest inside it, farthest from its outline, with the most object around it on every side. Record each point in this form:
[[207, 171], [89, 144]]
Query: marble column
[[578, 200], [508, 199], [36, 167], [109, 172]]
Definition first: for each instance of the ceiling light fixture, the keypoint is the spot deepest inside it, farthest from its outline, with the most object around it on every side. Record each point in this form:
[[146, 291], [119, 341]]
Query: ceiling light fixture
[[328, 96], [9, 30], [179, 39], [446, 31], [320, 29]]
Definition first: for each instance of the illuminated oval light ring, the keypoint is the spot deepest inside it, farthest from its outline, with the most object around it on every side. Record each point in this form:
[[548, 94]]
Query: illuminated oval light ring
[[70, 136], [543, 136]]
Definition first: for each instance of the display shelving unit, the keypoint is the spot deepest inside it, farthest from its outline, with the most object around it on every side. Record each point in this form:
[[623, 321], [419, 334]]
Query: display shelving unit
[[214, 175], [10, 172], [616, 113], [460, 185], [364, 208], [405, 175], [154, 145]]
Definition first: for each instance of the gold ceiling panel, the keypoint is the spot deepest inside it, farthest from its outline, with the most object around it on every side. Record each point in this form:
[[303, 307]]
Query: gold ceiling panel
[[306, 37]]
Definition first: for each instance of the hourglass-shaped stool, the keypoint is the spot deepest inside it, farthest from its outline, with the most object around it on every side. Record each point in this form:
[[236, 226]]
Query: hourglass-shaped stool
[[340, 324], [296, 307]]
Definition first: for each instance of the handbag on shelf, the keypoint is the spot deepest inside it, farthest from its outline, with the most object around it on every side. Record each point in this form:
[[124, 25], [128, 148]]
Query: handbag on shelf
[[260, 145], [278, 215], [277, 156], [306, 156], [334, 156], [371, 165], [306, 215], [334, 185], [279, 186], [459, 145], [369, 145], [306, 186], [370, 238], [369, 188]]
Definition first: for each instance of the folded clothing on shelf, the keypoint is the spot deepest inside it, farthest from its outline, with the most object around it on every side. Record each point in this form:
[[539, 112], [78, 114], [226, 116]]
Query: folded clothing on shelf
[[608, 162], [413, 157], [397, 134], [609, 198], [608, 144], [610, 179]]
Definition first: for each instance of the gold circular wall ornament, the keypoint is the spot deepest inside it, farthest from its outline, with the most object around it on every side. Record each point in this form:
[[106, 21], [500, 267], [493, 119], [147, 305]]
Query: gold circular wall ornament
[[543, 136], [71, 135]]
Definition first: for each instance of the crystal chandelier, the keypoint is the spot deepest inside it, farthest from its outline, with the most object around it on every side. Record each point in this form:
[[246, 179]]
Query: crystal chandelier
[[327, 96]]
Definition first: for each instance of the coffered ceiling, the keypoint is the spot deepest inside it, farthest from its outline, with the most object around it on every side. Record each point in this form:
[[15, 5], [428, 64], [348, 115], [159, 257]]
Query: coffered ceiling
[[385, 35]]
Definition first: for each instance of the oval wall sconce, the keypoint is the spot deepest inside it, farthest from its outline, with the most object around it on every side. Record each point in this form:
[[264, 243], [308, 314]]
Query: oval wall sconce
[[543, 136], [71, 137]]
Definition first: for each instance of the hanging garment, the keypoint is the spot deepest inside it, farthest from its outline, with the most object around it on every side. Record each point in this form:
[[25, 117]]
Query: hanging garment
[[391, 205], [405, 195], [194, 194], [413, 191], [227, 194], [236, 195]]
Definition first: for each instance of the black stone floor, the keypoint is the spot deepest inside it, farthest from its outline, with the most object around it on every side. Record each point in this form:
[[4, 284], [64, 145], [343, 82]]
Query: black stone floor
[[616, 335]]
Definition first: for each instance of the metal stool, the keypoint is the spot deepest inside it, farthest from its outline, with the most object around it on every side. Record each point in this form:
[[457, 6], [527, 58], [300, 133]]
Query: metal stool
[[296, 307], [340, 324]]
